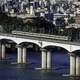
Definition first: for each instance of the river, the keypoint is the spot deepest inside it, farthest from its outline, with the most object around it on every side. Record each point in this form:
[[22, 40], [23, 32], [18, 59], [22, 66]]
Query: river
[[9, 70]]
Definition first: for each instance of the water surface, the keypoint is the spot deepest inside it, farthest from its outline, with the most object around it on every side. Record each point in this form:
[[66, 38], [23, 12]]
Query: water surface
[[9, 71]]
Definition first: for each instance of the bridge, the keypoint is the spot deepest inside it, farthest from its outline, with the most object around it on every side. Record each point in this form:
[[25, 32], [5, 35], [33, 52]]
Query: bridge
[[44, 43]]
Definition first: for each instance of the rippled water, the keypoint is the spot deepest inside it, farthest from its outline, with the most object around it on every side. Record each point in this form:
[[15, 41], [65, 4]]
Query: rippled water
[[9, 71]]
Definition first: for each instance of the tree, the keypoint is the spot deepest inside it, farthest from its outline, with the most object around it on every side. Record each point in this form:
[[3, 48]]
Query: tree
[[60, 25], [10, 23], [60, 22], [71, 20]]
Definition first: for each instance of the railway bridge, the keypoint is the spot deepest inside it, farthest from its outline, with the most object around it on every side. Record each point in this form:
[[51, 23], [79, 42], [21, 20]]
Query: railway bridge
[[44, 43]]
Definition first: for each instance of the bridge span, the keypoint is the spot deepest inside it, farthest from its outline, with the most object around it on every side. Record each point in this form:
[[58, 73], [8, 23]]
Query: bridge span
[[43, 43]]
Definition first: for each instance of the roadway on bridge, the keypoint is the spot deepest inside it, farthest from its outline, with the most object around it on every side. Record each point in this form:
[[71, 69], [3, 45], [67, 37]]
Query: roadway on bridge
[[41, 38]]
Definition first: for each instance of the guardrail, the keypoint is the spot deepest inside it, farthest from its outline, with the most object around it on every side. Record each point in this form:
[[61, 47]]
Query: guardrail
[[38, 35]]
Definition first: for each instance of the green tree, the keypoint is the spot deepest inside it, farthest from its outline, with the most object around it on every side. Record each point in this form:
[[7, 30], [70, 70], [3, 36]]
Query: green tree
[[71, 20]]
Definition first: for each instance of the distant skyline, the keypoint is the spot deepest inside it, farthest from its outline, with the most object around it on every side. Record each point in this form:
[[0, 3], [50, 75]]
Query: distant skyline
[[52, 1]]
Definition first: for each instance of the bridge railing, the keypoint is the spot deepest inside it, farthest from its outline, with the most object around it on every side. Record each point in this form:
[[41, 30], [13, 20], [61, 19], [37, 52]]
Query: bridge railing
[[38, 35], [21, 34]]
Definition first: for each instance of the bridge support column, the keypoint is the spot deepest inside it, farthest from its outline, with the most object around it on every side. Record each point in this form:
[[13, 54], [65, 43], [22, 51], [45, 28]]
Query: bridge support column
[[77, 65], [24, 55], [48, 60], [19, 56], [72, 65], [44, 59], [3, 51], [0, 51]]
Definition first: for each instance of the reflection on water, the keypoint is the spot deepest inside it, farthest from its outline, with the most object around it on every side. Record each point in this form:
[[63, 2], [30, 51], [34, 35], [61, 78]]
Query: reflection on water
[[9, 71]]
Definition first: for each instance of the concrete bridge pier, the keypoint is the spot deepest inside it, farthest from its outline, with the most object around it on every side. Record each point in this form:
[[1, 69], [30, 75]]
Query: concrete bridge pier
[[77, 65], [48, 60], [72, 65], [19, 54], [3, 51], [24, 55], [44, 59]]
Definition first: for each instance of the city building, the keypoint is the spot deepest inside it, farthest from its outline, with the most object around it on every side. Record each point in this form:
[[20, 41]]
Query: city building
[[50, 9]]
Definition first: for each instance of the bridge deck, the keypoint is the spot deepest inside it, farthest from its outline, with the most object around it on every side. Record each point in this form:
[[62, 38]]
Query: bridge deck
[[41, 38], [49, 39]]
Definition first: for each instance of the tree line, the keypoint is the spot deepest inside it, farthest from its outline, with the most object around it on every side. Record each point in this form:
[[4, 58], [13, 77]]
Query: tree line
[[36, 25]]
